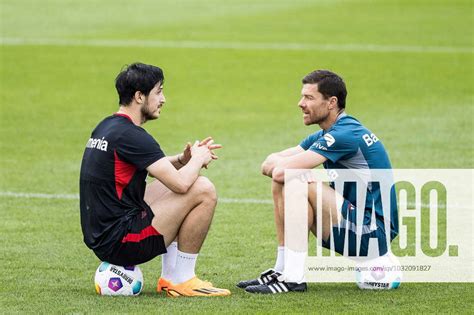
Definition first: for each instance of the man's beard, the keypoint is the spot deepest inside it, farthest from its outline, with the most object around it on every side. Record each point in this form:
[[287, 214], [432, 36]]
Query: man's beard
[[319, 119], [147, 114]]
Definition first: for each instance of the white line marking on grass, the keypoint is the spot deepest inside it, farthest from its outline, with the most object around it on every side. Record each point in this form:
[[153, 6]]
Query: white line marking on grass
[[76, 197], [221, 200], [38, 195], [250, 201], [14, 41]]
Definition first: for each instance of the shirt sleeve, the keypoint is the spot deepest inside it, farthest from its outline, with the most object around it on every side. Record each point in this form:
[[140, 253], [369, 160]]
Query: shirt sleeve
[[309, 140], [335, 145], [138, 147]]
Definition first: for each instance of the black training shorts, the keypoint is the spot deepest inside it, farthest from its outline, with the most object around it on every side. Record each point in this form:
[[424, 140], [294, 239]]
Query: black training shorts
[[141, 242]]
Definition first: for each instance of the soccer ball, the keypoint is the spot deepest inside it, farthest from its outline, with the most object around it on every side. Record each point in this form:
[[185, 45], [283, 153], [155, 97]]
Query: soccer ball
[[116, 280], [381, 273]]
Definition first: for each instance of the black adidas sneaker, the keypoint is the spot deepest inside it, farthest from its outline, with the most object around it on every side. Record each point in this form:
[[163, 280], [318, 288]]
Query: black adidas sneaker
[[277, 285], [265, 277]]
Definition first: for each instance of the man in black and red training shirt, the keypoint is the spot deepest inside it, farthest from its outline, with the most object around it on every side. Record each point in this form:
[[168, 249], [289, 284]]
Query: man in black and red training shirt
[[126, 221]]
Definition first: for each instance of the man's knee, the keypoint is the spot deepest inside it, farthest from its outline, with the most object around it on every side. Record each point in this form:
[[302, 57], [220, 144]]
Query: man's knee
[[205, 189]]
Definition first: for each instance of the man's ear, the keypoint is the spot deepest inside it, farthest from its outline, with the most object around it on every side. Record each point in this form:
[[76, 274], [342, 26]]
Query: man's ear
[[333, 102], [139, 97]]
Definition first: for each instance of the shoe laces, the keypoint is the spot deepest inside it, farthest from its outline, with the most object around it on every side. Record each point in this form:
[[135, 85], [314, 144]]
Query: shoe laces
[[274, 278]]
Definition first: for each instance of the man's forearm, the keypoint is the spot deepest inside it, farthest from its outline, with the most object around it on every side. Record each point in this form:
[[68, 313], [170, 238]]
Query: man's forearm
[[176, 160], [191, 172], [268, 166]]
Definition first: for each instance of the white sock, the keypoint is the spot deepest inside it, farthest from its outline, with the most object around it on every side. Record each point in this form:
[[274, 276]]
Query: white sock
[[295, 266], [184, 269], [280, 261], [168, 260]]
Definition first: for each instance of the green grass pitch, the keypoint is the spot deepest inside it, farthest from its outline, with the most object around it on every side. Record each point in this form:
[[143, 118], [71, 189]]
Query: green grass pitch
[[408, 66]]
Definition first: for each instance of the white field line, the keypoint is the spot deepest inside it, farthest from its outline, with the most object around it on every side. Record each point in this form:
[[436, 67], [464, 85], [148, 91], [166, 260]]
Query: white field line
[[38, 195], [14, 41], [76, 197], [221, 200]]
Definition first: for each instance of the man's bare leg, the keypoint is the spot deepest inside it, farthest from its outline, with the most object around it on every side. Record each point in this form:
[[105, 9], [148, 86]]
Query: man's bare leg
[[294, 265], [196, 225], [279, 213], [185, 217], [330, 211]]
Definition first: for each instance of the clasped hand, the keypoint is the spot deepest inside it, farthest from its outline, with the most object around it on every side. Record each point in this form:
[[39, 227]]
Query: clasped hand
[[203, 149]]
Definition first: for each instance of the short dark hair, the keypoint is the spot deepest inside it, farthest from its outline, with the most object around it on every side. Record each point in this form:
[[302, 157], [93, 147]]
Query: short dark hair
[[329, 84], [137, 77]]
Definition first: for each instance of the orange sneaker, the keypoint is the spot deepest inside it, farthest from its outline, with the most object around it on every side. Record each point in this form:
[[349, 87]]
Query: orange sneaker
[[194, 287], [162, 285]]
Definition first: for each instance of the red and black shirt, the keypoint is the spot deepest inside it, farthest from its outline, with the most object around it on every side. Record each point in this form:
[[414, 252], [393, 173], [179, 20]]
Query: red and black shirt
[[112, 182]]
